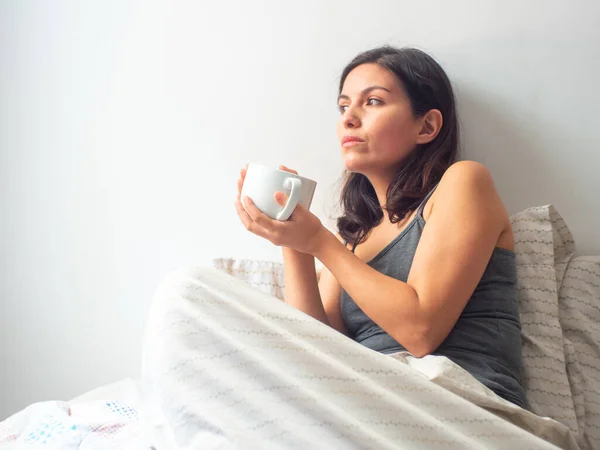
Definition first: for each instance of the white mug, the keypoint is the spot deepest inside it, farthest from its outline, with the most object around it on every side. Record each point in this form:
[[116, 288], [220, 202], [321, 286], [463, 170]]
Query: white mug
[[261, 183]]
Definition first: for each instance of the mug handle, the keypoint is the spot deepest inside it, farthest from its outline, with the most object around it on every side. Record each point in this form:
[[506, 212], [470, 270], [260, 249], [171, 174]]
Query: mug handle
[[295, 184]]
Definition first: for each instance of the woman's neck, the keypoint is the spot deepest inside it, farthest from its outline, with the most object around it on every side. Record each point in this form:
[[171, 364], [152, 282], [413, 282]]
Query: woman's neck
[[381, 185]]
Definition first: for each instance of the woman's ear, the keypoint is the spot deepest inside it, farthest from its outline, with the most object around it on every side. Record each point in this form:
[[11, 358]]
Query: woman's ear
[[431, 124]]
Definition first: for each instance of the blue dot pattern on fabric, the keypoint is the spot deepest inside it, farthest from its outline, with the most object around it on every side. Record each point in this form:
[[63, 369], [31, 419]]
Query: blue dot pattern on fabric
[[48, 430], [121, 409]]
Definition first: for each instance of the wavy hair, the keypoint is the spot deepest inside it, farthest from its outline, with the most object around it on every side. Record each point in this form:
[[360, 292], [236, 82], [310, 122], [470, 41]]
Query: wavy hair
[[427, 87]]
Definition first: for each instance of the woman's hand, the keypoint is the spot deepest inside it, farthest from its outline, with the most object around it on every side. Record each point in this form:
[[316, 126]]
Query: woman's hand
[[303, 231]]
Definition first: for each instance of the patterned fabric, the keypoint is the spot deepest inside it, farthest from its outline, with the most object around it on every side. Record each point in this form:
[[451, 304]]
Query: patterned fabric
[[579, 314], [266, 276], [228, 366], [83, 426], [543, 246]]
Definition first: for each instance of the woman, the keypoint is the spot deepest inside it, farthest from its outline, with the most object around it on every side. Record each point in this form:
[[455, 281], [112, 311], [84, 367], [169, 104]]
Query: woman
[[423, 261]]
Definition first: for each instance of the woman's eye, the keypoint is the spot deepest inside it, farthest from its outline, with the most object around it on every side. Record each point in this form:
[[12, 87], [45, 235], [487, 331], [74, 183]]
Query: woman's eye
[[376, 100], [371, 102]]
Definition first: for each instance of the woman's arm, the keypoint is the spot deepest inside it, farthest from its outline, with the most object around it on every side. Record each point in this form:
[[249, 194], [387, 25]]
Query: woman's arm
[[320, 300], [301, 288], [461, 233]]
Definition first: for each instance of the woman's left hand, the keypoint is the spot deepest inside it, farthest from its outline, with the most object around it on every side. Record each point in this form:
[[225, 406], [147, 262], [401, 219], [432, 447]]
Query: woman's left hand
[[303, 230]]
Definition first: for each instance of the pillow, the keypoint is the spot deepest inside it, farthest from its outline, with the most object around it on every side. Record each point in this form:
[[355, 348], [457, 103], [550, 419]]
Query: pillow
[[543, 246], [579, 315], [266, 276]]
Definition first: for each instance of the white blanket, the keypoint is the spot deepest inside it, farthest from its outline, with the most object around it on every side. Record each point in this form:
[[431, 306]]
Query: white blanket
[[226, 366]]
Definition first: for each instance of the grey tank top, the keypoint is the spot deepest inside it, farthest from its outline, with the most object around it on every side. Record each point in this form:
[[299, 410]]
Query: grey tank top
[[486, 339]]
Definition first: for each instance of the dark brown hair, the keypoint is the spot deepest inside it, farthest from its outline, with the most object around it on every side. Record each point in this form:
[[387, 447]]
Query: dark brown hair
[[427, 87]]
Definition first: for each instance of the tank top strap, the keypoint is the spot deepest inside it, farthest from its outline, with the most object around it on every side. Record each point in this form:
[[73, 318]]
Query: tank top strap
[[427, 197], [419, 212]]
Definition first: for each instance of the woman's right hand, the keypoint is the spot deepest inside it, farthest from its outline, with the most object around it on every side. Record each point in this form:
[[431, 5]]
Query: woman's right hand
[[282, 199], [282, 202]]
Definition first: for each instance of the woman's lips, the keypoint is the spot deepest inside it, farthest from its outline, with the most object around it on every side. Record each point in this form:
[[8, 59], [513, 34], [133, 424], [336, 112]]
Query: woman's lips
[[349, 140], [352, 143]]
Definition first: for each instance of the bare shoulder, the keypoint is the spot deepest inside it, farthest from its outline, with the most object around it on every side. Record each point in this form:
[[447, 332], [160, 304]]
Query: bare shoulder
[[468, 173], [468, 179], [469, 185], [461, 180]]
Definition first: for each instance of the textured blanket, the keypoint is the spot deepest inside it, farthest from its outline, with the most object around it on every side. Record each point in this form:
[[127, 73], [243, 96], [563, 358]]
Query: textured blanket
[[226, 366]]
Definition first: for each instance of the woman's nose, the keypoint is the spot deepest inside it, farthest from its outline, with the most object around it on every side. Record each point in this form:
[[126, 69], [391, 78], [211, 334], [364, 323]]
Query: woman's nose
[[351, 119]]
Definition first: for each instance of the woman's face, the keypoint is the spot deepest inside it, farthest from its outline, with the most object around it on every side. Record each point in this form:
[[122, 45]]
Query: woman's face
[[375, 109]]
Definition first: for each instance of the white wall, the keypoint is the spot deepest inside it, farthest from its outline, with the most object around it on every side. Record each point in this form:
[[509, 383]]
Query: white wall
[[123, 125]]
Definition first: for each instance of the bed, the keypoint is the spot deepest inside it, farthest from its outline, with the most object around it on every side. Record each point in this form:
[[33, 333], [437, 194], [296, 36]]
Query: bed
[[228, 365]]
